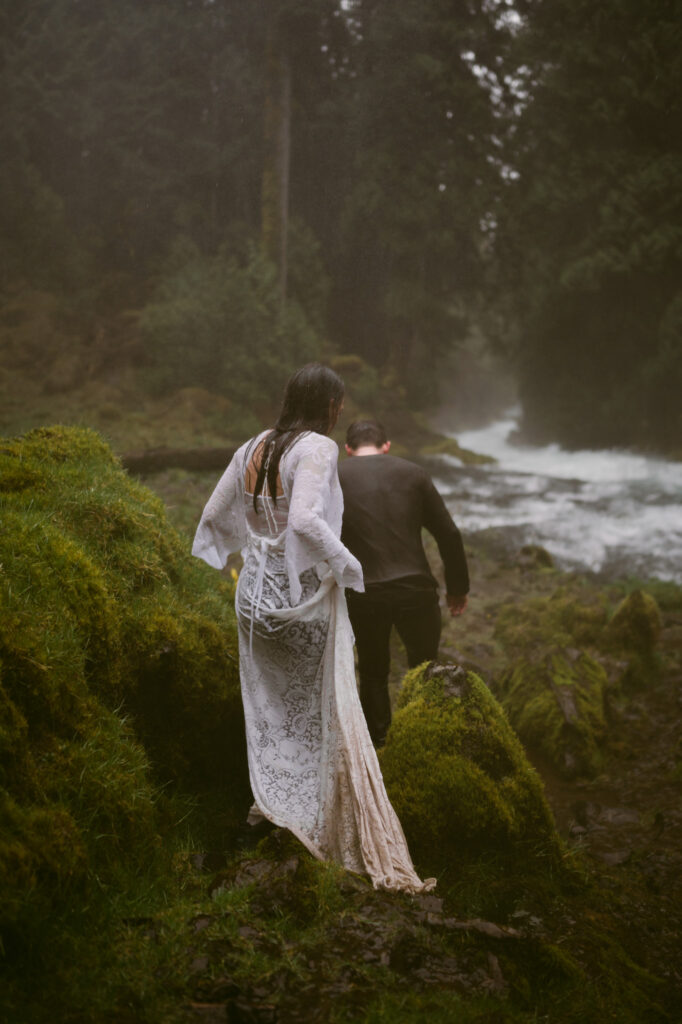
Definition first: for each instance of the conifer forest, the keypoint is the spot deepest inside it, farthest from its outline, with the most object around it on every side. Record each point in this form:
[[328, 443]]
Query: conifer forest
[[277, 178]]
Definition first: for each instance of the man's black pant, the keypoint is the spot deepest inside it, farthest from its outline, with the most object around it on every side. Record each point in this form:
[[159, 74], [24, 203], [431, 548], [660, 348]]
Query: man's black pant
[[416, 616]]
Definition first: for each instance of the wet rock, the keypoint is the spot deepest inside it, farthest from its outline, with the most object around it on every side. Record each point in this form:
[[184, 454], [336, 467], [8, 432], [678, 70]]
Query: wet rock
[[257, 870], [457, 775], [201, 922], [198, 965], [495, 931], [210, 861], [612, 858], [207, 1013], [619, 816], [453, 678], [497, 982], [352, 883], [429, 903], [586, 812]]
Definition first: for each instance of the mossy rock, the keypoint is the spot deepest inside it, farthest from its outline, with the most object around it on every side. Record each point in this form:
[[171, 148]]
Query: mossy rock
[[544, 623], [458, 776], [118, 670], [448, 446], [636, 624], [534, 556], [60, 444], [557, 706], [38, 844]]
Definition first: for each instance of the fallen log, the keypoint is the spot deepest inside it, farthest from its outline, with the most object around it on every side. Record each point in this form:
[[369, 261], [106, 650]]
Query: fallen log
[[155, 460]]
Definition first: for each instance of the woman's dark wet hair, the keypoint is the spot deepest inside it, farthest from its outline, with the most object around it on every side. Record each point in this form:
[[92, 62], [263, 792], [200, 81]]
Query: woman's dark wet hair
[[311, 396]]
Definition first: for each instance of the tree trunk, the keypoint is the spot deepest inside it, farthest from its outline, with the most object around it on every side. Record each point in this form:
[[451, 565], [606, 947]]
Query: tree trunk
[[275, 191]]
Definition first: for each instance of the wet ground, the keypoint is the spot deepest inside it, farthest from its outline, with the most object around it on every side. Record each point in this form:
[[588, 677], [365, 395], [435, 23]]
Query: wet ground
[[627, 822]]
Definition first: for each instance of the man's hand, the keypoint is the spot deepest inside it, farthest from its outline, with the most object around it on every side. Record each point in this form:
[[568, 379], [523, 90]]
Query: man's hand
[[456, 603]]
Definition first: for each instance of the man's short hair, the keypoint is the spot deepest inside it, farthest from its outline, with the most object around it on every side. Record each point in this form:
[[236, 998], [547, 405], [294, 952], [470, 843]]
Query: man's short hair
[[366, 432]]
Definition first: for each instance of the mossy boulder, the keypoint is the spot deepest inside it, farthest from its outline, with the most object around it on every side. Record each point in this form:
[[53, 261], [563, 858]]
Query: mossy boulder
[[534, 556], [564, 619], [458, 776], [636, 624], [624, 640], [118, 668], [557, 707], [448, 446]]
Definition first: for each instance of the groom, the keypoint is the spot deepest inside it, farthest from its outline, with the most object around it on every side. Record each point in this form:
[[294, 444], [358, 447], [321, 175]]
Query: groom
[[387, 501]]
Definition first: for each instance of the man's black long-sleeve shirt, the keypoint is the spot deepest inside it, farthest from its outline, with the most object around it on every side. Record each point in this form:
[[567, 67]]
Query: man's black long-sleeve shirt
[[387, 501]]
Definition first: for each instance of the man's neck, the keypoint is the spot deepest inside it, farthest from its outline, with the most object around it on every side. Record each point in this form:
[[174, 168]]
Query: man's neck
[[367, 449]]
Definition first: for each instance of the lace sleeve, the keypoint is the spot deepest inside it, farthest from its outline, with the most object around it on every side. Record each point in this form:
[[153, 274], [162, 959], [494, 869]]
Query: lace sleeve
[[314, 520], [222, 527]]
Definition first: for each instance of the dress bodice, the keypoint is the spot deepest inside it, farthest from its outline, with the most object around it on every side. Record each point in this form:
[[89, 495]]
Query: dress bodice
[[267, 519], [306, 522]]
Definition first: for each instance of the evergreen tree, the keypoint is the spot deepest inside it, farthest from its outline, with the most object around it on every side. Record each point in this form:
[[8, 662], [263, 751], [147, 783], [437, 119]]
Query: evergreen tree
[[588, 242], [419, 182]]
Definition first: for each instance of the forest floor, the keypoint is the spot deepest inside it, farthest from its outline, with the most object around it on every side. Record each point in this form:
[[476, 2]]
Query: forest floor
[[625, 825], [236, 943], [627, 822]]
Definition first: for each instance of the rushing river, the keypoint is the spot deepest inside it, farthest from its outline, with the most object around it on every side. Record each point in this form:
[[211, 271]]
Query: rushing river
[[615, 513]]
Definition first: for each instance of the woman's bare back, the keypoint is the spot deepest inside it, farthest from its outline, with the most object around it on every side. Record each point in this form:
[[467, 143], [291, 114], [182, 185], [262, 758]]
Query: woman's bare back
[[253, 469]]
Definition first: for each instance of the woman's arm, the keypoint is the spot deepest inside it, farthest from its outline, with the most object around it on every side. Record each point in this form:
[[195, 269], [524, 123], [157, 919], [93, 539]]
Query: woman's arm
[[221, 530], [311, 539]]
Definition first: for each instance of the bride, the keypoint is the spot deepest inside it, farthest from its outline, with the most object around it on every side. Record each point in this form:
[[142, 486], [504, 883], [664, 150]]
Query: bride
[[312, 765]]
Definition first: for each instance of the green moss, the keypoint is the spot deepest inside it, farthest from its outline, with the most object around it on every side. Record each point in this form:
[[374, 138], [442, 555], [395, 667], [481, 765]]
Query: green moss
[[448, 446], [111, 636], [562, 620], [15, 476], [62, 444], [118, 673], [668, 595], [181, 665], [556, 705], [636, 624], [458, 776]]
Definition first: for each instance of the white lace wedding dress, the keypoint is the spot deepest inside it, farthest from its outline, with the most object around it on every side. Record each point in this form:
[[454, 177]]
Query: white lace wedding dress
[[312, 765]]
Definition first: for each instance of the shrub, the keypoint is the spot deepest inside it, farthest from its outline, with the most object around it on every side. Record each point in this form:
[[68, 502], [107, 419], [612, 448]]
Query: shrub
[[218, 324]]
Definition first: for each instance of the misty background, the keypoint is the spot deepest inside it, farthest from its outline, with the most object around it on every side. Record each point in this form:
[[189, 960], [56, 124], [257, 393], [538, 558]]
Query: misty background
[[460, 206]]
